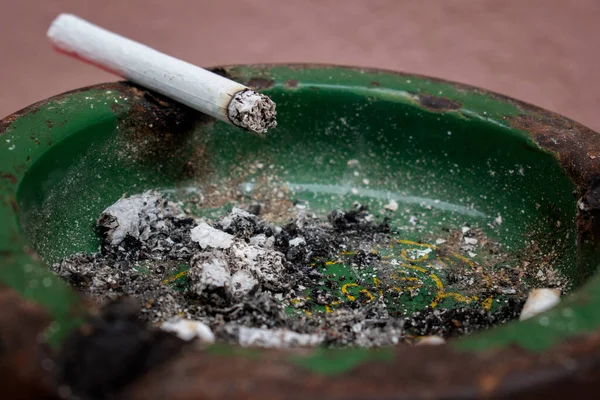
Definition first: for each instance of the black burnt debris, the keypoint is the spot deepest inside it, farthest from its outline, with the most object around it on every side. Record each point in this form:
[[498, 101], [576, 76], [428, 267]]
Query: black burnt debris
[[111, 350], [247, 279]]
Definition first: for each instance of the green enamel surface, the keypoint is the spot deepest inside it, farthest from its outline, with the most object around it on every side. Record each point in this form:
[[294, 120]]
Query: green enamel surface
[[24, 143], [77, 155]]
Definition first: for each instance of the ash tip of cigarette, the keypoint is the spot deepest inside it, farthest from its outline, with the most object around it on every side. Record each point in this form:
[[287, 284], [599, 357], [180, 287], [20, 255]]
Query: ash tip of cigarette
[[253, 111]]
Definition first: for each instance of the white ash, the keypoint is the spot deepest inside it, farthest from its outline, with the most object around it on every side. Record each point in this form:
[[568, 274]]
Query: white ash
[[274, 338], [297, 241], [261, 240], [210, 272], [237, 270], [265, 264], [498, 220], [242, 283], [392, 205], [469, 240], [253, 111], [207, 236], [136, 216]]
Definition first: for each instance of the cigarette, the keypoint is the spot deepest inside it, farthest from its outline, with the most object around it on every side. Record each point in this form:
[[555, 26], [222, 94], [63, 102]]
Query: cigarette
[[193, 86]]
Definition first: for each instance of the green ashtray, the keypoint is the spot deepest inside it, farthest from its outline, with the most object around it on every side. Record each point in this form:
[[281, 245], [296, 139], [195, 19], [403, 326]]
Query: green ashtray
[[436, 158]]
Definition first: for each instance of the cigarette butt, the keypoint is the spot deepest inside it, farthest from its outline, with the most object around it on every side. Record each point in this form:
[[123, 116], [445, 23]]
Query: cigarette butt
[[538, 301], [188, 329], [193, 86], [431, 341]]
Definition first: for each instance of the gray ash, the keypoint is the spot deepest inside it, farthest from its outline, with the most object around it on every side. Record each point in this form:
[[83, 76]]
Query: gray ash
[[243, 276], [449, 323]]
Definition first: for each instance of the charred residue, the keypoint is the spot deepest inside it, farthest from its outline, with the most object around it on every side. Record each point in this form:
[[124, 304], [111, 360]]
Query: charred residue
[[437, 103]]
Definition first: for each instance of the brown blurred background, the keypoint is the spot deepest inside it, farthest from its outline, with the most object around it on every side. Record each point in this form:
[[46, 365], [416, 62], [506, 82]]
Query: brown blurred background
[[541, 51]]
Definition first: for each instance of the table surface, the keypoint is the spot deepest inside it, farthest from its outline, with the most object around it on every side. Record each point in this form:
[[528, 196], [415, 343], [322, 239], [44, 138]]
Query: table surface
[[539, 51]]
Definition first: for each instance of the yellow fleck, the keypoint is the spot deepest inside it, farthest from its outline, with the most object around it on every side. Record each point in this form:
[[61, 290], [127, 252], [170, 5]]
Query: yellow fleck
[[410, 278], [174, 277], [437, 281], [420, 269], [345, 291], [410, 242], [470, 263], [457, 297], [369, 295], [487, 303]]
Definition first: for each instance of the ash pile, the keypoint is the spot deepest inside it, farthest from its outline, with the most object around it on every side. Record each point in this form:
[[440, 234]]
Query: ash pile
[[239, 279]]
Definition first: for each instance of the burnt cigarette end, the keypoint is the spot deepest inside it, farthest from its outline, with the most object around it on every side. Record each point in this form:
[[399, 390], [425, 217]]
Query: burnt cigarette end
[[253, 111]]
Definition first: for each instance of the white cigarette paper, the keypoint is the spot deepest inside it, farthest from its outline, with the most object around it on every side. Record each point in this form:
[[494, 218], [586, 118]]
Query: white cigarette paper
[[431, 341], [193, 86], [538, 301]]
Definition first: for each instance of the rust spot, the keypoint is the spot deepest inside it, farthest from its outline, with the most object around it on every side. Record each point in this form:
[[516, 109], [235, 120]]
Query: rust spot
[[221, 71], [49, 124], [34, 108], [375, 83], [13, 205], [28, 158], [159, 113], [20, 169], [117, 107], [6, 122], [7, 176], [258, 83], [488, 383], [160, 132], [436, 103], [511, 373], [575, 146], [21, 323], [34, 140], [291, 83]]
